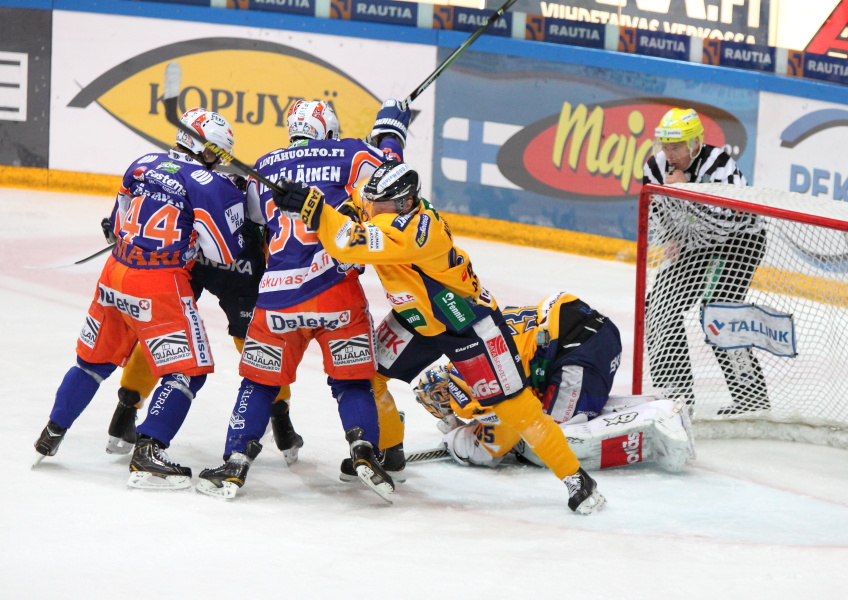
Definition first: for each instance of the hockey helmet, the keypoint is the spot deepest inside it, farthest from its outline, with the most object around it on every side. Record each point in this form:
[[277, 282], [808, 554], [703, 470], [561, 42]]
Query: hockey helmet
[[212, 126], [314, 120], [680, 125], [393, 181]]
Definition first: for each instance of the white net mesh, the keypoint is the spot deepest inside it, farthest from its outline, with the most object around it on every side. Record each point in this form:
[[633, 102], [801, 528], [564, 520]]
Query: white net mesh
[[768, 290]]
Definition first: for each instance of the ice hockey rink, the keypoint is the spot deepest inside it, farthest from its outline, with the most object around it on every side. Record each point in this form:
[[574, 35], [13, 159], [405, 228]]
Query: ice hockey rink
[[747, 519]]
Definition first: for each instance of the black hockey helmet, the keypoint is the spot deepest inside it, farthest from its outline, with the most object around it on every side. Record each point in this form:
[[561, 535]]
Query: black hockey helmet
[[393, 181]]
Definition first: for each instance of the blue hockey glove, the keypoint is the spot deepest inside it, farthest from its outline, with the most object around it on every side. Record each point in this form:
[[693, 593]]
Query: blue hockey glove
[[392, 119], [106, 226], [302, 200]]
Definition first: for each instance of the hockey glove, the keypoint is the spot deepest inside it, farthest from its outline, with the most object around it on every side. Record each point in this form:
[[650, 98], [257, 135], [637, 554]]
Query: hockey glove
[[392, 119], [239, 181], [351, 210], [106, 226], [302, 200]]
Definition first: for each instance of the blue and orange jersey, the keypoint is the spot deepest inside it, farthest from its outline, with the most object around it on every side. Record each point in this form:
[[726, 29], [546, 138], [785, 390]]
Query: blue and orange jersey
[[299, 267], [169, 206]]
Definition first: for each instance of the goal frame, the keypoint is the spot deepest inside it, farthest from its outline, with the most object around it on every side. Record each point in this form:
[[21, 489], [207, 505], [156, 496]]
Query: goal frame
[[834, 436]]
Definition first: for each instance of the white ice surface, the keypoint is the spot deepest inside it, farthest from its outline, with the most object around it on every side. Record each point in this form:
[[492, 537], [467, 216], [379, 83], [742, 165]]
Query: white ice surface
[[748, 519]]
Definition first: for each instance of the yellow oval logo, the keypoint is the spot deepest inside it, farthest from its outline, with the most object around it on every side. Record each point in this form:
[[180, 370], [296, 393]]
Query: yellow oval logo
[[251, 83]]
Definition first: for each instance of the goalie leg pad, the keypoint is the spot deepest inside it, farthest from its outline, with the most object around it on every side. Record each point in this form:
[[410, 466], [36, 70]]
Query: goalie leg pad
[[465, 449]]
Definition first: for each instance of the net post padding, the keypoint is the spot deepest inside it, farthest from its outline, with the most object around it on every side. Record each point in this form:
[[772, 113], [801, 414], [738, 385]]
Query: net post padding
[[803, 273]]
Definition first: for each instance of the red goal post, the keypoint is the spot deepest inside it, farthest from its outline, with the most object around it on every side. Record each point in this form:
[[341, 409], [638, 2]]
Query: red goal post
[[742, 309]]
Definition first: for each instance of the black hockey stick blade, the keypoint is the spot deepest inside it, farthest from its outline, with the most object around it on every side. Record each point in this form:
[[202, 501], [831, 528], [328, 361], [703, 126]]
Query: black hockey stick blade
[[430, 455], [170, 97], [80, 261], [446, 63]]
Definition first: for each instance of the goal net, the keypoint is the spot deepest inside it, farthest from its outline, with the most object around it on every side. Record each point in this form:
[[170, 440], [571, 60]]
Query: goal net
[[742, 310]]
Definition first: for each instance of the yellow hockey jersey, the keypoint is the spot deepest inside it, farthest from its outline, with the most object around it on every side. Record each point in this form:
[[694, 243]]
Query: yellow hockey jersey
[[428, 280]]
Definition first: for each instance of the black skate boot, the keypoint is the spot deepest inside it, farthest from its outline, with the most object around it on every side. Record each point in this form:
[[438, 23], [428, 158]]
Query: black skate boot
[[583, 495], [122, 428], [225, 481], [286, 438], [367, 467], [392, 459], [48, 442], [152, 468]]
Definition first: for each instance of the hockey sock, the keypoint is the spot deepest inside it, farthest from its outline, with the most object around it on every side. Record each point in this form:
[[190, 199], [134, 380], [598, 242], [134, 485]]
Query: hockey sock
[[137, 375], [357, 407], [251, 415], [169, 406], [391, 425], [77, 389], [523, 413]]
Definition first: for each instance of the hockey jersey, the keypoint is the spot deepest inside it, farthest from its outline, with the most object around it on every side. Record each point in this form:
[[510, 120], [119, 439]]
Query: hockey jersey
[[299, 267], [168, 205], [429, 282]]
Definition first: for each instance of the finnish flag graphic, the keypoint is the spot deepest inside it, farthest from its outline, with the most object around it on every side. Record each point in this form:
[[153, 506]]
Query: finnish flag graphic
[[470, 151]]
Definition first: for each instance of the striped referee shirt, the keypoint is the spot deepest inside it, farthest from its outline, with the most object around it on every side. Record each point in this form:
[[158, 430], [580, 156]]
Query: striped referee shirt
[[700, 225]]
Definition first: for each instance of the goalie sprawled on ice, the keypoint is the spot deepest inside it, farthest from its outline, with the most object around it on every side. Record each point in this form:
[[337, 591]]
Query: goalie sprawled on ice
[[572, 353]]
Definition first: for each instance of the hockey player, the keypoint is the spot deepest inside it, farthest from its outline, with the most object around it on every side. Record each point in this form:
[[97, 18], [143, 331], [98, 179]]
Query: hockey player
[[727, 248], [440, 308], [306, 294], [236, 287], [169, 206], [572, 354]]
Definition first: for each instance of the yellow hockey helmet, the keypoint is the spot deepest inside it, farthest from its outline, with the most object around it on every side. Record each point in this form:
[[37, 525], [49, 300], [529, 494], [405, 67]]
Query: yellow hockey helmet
[[680, 125]]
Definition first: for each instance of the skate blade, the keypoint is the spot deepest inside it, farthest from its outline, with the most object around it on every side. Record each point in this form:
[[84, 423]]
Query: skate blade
[[227, 491], [141, 480], [291, 455], [39, 457], [592, 504], [383, 489], [116, 445]]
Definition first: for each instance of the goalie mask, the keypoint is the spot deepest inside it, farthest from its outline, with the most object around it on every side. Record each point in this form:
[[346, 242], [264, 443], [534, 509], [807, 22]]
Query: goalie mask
[[212, 126], [394, 182], [313, 120], [680, 133]]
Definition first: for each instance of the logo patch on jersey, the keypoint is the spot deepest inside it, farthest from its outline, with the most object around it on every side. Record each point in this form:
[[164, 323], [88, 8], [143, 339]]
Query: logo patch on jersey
[[201, 176], [458, 394], [454, 308], [235, 217], [168, 166], [392, 339], [280, 322], [401, 221], [138, 172], [264, 357], [400, 299], [375, 239], [353, 351], [621, 450], [423, 230], [170, 348], [90, 329], [504, 364], [137, 308], [414, 317]]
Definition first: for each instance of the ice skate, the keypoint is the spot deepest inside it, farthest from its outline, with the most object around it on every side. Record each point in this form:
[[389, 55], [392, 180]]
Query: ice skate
[[392, 459], [48, 442], [287, 439], [152, 468], [367, 467], [583, 495], [226, 480], [122, 435]]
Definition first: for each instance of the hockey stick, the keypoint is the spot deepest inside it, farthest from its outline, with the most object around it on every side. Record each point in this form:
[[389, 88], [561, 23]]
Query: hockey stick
[[173, 81], [433, 454], [80, 261], [446, 63]]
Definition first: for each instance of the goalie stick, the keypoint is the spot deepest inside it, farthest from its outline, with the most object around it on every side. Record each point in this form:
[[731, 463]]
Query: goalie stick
[[446, 63]]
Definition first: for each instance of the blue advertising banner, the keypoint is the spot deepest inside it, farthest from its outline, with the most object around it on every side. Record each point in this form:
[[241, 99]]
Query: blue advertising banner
[[295, 7], [562, 31], [563, 145], [470, 20], [739, 55], [664, 45], [385, 11], [825, 68]]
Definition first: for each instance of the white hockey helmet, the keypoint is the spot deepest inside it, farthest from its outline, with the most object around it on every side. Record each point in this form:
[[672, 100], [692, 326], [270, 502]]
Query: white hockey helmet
[[314, 120], [211, 126]]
